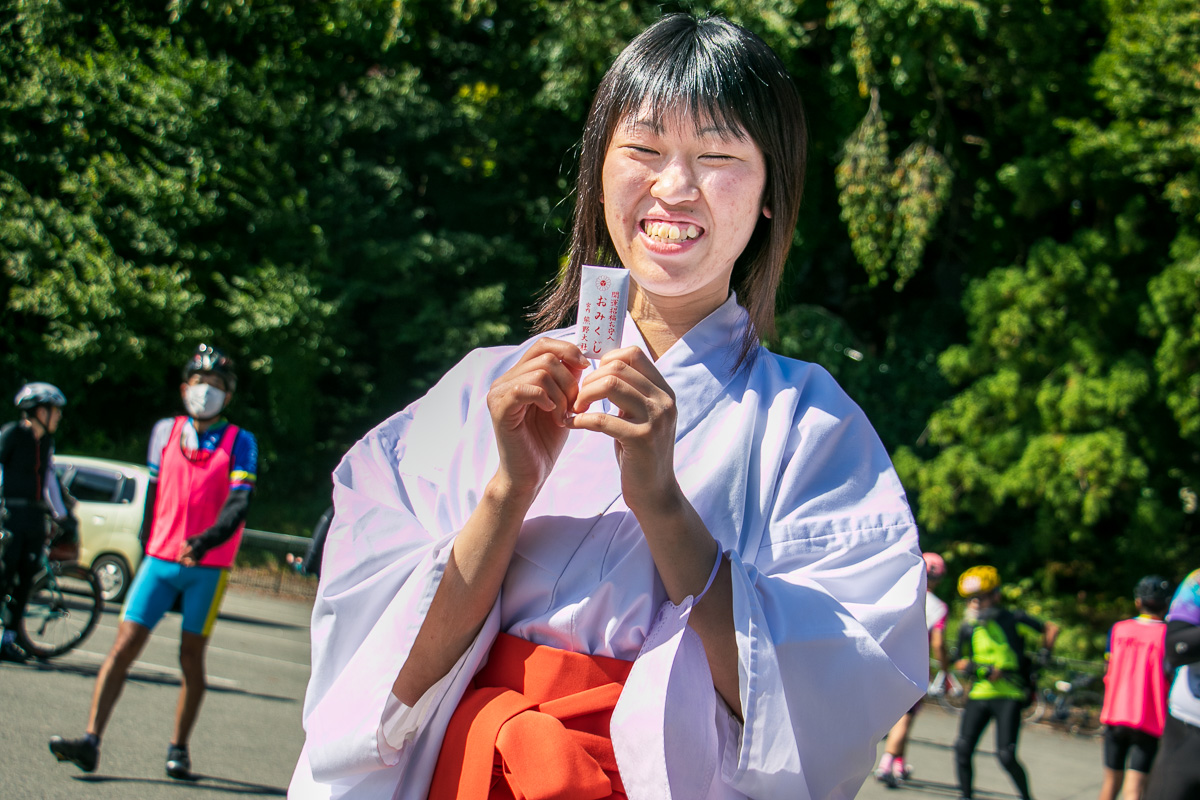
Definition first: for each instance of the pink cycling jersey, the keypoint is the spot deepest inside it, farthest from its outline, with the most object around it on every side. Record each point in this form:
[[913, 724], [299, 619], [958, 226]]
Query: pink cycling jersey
[[1135, 687], [191, 493]]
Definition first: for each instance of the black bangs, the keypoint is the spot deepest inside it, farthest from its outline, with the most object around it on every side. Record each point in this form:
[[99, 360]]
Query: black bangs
[[696, 70]]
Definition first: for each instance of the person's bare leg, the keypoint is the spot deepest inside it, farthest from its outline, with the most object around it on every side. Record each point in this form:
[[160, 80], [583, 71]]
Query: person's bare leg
[[191, 693], [897, 739], [110, 680], [1135, 784], [1110, 785]]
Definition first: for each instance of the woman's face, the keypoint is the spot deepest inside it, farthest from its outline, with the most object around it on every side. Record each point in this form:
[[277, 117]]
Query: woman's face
[[681, 205]]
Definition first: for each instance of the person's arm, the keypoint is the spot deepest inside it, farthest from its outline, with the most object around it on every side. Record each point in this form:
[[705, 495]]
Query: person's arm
[[160, 435], [316, 547], [52, 493], [528, 406], [683, 549], [937, 645], [1047, 633], [148, 514], [1050, 636], [1183, 643], [233, 514], [964, 662]]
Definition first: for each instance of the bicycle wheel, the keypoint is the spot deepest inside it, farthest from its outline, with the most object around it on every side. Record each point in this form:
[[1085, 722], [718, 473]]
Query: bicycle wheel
[[63, 609], [954, 694], [1085, 713]]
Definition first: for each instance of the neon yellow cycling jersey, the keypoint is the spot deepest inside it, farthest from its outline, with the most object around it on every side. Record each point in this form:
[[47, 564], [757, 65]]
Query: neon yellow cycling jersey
[[994, 641]]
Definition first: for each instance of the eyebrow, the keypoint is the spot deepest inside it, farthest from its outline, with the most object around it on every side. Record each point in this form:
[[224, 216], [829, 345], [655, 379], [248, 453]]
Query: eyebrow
[[657, 128]]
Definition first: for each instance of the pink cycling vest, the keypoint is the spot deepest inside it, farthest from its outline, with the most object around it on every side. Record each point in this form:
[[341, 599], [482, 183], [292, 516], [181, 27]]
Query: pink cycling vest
[[1135, 688], [190, 497]]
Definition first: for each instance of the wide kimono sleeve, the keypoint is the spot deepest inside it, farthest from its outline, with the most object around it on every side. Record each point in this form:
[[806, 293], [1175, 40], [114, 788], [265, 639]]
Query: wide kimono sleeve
[[828, 606], [400, 494]]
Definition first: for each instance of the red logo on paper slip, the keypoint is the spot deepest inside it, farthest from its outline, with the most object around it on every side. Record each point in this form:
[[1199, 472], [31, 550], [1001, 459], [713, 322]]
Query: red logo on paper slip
[[603, 295]]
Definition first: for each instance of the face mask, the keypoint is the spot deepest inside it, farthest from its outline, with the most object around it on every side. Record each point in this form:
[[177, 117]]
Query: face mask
[[203, 401]]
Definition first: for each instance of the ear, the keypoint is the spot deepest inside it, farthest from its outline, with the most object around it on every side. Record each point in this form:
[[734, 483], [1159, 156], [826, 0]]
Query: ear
[[766, 211]]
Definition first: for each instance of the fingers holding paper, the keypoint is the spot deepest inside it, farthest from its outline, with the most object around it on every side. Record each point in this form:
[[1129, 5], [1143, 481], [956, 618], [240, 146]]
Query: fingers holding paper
[[529, 404], [644, 429]]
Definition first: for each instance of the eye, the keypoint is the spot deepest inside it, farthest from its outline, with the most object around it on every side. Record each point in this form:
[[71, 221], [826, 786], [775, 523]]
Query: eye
[[640, 149]]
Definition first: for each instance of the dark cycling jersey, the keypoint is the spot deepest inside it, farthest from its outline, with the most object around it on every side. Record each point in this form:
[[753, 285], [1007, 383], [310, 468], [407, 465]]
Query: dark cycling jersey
[[25, 460]]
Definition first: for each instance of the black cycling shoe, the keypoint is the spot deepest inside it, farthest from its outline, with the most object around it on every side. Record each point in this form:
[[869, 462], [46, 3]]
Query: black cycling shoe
[[179, 765], [83, 753], [10, 651]]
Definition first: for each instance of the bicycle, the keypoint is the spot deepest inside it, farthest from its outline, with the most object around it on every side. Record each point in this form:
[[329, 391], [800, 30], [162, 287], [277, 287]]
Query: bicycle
[[1072, 704], [64, 606], [949, 690], [952, 692]]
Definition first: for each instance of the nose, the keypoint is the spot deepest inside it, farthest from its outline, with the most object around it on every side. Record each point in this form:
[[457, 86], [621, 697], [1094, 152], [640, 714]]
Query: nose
[[675, 183]]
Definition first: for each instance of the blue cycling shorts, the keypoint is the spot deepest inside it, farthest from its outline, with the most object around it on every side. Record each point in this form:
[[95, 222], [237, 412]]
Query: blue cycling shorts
[[159, 583]]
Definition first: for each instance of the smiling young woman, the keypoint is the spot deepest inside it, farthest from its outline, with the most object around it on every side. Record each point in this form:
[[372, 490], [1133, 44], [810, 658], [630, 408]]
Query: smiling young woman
[[723, 83], [680, 205], [654, 575]]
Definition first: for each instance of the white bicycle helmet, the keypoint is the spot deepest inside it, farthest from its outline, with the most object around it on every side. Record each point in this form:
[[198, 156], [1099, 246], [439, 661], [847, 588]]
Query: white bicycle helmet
[[33, 395]]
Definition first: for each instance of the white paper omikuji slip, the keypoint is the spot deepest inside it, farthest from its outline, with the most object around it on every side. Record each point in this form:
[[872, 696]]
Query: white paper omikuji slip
[[603, 298]]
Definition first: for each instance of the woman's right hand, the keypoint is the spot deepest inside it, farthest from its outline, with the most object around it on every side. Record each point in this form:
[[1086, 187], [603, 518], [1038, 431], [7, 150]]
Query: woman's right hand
[[529, 405]]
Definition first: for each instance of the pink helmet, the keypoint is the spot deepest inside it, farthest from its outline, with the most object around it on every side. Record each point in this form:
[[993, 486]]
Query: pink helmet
[[935, 565]]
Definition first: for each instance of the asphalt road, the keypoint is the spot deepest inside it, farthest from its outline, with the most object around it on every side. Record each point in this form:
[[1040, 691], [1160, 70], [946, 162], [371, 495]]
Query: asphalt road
[[245, 742], [248, 735], [1061, 766]]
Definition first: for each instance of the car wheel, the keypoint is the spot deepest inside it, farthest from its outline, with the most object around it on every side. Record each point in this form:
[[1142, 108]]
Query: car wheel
[[114, 576]]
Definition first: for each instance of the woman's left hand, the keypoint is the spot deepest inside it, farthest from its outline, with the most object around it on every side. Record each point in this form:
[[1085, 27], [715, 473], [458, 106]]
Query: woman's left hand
[[643, 431], [681, 545]]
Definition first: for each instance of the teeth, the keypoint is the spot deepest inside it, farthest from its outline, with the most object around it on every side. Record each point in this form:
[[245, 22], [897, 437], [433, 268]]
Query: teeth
[[665, 231]]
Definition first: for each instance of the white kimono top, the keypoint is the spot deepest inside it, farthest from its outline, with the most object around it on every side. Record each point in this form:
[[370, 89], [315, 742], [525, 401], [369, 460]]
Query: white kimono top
[[788, 475]]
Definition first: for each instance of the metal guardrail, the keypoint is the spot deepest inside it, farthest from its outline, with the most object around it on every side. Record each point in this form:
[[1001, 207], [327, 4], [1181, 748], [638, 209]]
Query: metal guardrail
[[282, 578], [282, 542]]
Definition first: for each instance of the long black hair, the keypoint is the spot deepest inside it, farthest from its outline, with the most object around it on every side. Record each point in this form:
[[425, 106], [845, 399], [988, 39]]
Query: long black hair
[[715, 74]]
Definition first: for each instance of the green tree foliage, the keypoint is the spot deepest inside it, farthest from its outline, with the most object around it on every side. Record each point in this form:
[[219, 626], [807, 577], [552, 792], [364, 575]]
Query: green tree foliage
[[133, 172], [998, 252], [1069, 446]]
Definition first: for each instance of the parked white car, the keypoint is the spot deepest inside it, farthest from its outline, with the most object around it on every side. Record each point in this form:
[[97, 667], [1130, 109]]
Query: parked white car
[[112, 501]]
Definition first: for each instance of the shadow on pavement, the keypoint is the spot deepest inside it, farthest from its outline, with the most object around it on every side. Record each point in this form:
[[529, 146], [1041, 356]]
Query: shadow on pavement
[[145, 676], [937, 789], [934, 788], [197, 781], [267, 623], [114, 610]]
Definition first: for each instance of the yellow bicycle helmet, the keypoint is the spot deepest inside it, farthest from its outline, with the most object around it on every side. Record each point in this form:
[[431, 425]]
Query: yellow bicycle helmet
[[978, 580]]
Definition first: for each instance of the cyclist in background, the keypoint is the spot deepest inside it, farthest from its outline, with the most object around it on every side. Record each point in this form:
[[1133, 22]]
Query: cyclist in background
[[993, 652], [1176, 771], [205, 471], [892, 767], [29, 487], [1135, 692]]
